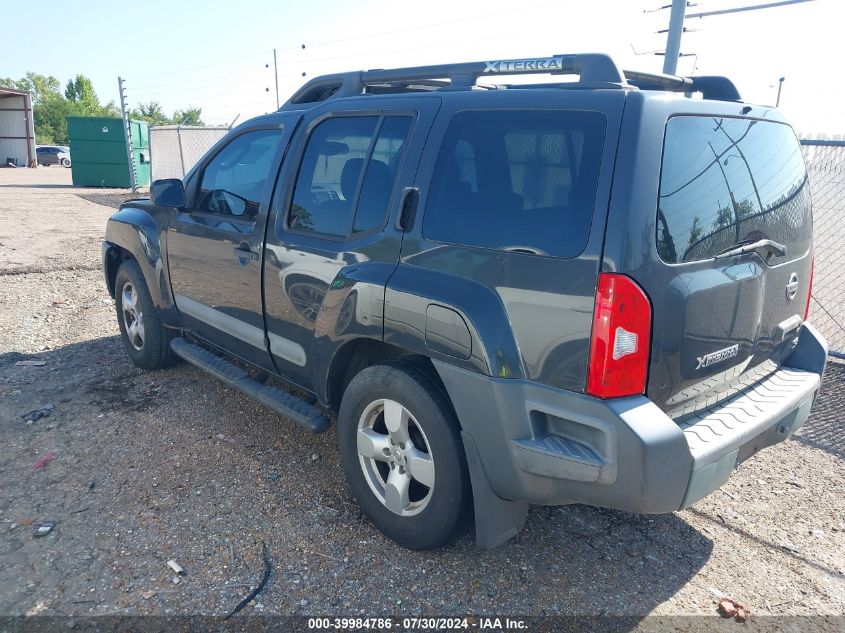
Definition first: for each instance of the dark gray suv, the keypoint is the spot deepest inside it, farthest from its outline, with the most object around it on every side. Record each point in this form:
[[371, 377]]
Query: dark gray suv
[[582, 292]]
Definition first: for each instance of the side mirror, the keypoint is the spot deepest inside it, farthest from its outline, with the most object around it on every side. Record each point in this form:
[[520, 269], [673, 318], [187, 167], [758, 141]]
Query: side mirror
[[168, 192]]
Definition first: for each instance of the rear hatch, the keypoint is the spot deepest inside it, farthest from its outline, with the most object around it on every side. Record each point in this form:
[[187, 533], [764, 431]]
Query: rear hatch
[[734, 238]]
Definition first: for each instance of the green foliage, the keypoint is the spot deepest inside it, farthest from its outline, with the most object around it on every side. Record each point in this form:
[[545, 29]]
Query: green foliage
[[51, 107], [189, 116], [81, 92], [153, 114], [696, 230], [40, 87], [150, 112]]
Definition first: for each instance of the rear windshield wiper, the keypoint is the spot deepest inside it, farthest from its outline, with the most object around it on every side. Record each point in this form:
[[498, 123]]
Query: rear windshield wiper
[[748, 246]]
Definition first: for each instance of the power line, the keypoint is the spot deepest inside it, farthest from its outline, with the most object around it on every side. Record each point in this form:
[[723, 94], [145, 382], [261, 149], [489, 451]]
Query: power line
[[428, 26], [149, 90], [768, 5], [198, 82], [395, 50], [348, 39], [200, 89], [676, 26], [182, 70]]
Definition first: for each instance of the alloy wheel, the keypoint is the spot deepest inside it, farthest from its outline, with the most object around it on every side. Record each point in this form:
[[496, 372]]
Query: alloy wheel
[[395, 457], [133, 318]]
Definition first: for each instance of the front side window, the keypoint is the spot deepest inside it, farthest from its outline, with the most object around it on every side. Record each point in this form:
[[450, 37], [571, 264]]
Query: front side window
[[233, 181], [726, 182], [347, 175], [517, 180]]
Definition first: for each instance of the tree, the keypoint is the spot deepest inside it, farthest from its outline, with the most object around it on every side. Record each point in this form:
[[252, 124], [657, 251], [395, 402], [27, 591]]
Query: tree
[[696, 230], [151, 112], [189, 116], [724, 217], [51, 107], [41, 87], [81, 91]]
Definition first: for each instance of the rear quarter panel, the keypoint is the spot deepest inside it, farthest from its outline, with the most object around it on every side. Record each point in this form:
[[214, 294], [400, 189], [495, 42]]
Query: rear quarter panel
[[525, 315]]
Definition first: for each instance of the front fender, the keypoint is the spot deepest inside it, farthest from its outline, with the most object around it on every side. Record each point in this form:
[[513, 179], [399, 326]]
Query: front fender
[[135, 231]]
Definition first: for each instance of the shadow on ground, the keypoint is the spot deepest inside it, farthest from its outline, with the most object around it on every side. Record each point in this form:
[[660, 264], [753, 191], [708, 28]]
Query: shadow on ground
[[113, 199], [255, 479], [22, 185]]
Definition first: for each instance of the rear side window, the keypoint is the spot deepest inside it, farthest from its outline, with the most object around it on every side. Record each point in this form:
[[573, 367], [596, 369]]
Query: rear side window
[[517, 180], [347, 175], [725, 182]]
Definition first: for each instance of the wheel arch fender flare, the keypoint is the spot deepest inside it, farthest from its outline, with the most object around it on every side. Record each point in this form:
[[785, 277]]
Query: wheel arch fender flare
[[132, 233]]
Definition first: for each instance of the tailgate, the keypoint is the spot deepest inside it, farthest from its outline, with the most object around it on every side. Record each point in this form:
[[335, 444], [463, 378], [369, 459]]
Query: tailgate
[[734, 237]]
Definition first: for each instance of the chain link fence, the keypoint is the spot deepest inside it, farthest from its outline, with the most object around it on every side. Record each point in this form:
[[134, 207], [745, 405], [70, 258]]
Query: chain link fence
[[826, 165], [174, 149]]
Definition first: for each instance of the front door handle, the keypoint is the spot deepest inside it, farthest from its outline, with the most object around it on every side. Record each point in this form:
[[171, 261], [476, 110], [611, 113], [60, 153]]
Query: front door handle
[[243, 251]]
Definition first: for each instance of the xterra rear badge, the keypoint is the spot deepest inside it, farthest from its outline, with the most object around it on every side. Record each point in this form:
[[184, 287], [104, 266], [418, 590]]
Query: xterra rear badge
[[542, 63], [717, 357]]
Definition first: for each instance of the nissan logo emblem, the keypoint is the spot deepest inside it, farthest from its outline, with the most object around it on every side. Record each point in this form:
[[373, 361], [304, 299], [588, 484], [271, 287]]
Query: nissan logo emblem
[[792, 286]]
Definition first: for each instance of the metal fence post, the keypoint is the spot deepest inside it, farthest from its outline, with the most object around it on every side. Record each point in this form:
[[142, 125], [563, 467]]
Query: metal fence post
[[127, 134], [181, 152]]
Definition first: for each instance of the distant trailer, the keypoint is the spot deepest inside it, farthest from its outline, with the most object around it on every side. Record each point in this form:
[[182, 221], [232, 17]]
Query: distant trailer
[[17, 129]]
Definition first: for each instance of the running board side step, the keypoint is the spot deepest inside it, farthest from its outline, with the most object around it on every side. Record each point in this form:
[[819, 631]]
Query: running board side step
[[283, 403]]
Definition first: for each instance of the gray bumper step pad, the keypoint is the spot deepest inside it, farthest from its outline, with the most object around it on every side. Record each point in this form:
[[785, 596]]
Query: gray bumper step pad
[[722, 427]]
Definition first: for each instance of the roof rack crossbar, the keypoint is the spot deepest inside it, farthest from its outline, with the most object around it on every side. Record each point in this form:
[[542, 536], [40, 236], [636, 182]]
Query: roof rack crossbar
[[593, 68], [710, 87]]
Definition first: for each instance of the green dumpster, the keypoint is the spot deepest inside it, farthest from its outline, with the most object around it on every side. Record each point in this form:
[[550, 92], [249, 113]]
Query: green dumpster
[[98, 152]]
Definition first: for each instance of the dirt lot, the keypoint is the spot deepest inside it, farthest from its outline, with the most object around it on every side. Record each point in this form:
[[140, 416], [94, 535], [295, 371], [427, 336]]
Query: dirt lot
[[150, 467]]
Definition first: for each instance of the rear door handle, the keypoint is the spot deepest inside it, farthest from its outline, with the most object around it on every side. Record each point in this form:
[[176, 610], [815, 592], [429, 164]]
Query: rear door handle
[[408, 208], [242, 251]]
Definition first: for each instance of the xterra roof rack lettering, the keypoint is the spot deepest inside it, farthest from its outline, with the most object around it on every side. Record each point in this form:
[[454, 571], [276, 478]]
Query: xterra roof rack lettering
[[501, 294]]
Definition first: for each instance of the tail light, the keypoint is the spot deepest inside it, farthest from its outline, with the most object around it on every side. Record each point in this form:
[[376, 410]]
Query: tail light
[[621, 338], [810, 289]]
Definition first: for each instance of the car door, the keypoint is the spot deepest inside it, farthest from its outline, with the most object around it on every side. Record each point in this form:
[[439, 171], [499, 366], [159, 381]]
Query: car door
[[215, 244], [333, 241]]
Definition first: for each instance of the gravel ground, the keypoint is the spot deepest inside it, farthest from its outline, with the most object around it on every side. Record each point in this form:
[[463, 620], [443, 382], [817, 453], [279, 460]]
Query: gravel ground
[[156, 466]]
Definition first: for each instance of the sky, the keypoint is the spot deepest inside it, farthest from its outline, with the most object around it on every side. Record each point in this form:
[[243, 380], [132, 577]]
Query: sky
[[219, 55]]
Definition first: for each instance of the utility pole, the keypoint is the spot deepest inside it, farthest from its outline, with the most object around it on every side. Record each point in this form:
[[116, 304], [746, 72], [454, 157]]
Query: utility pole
[[276, 74], [127, 135], [780, 87], [676, 26], [673, 38]]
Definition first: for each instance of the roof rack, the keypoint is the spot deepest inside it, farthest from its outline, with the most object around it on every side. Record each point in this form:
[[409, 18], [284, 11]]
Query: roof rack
[[594, 69], [710, 87]]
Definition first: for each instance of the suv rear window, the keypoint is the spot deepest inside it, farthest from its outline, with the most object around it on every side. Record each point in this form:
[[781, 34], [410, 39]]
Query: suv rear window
[[517, 180], [728, 181]]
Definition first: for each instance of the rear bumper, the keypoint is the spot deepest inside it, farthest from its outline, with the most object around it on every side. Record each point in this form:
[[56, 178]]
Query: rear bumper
[[541, 445]]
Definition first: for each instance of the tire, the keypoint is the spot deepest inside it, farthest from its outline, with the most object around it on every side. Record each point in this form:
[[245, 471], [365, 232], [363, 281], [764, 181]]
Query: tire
[[424, 517], [148, 346], [65, 162]]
